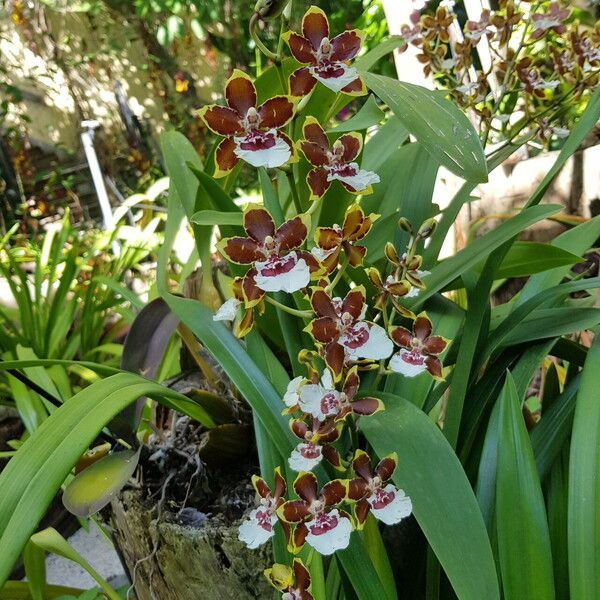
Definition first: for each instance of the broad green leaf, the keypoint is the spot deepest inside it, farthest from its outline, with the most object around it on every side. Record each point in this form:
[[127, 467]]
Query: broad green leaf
[[440, 126], [370, 58], [458, 537], [93, 488], [522, 528], [369, 114], [577, 241], [216, 217], [34, 561], [584, 484], [33, 476], [553, 322], [51, 541], [390, 136], [406, 189], [462, 261], [19, 590]]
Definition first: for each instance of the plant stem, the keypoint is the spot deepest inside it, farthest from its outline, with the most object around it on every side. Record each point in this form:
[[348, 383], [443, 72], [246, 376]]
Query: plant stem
[[313, 207], [331, 110], [338, 275], [294, 190], [257, 40], [305, 314]]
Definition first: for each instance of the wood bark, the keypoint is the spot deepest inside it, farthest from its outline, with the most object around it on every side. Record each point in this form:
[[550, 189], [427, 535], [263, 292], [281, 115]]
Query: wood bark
[[207, 562]]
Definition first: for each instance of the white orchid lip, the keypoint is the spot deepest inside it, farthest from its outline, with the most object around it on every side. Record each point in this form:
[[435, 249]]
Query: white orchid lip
[[366, 340], [408, 363], [390, 505], [329, 532], [228, 310], [321, 254], [282, 273], [352, 175], [258, 527], [334, 75], [319, 401], [305, 457], [263, 149], [292, 393]]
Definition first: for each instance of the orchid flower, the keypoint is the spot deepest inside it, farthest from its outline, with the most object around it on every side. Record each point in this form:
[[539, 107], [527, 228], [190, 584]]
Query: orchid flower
[[251, 133], [325, 60], [388, 288], [293, 583], [475, 30], [318, 522], [550, 21], [419, 349], [322, 400], [315, 445], [345, 336], [258, 528], [372, 492], [330, 241], [277, 263], [230, 309], [334, 162]]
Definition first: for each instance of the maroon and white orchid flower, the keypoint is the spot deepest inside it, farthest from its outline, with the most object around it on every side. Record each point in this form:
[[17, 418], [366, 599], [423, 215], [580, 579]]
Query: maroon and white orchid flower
[[278, 265], [341, 329], [318, 522], [330, 241], [322, 400], [374, 494], [317, 437], [293, 583], [251, 133], [419, 349], [333, 162], [326, 60], [258, 528], [553, 20], [231, 308]]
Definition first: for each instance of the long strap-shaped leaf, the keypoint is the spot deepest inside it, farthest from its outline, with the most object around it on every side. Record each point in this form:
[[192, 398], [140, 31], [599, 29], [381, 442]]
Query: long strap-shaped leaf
[[34, 475], [523, 536], [443, 501], [584, 484]]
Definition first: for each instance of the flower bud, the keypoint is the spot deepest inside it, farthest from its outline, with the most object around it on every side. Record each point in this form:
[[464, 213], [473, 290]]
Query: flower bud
[[427, 228], [405, 225], [269, 9]]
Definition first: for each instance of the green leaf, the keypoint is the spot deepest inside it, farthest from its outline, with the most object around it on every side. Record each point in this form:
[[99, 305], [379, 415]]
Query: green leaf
[[33, 476], [19, 590], [526, 258], [440, 126], [406, 188], [458, 537], [584, 484], [50, 540], [369, 59], [35, 570], [462, 261], [553, 322], [523, 537], [369, 114], [93, 488], [216, 217], [577, 241]]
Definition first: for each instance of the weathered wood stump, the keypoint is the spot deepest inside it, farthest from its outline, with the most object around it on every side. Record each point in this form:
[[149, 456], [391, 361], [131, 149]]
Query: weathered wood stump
[[205, 561]]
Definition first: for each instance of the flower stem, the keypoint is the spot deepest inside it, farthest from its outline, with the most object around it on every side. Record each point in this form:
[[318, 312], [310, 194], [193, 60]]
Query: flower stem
[[338, 275], [305, 314], [257, 40], [313, 207], [331, 110], [294, 190]]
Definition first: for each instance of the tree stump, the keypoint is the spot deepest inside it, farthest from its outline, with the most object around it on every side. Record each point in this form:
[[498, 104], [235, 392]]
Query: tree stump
[[205, 561]]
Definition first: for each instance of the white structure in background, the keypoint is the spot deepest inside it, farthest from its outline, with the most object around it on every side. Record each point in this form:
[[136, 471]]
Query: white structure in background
[[87, 140]]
